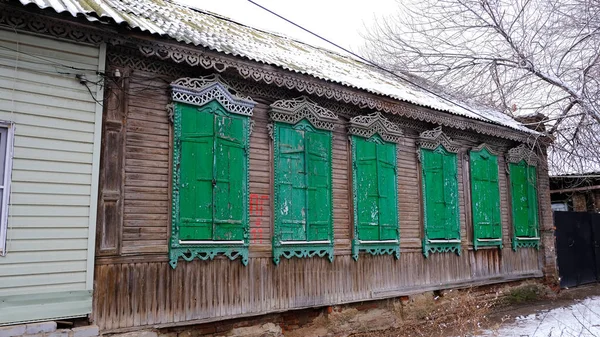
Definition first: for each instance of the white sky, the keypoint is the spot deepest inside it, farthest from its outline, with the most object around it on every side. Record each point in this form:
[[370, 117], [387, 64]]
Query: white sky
[[337, 20]]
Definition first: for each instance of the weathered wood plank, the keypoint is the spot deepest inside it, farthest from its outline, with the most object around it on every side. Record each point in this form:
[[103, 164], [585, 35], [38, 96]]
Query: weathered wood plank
[[203, 290]]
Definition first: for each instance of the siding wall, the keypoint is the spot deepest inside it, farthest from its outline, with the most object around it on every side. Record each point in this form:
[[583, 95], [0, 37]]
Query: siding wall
[[49, 260], [135, 286]]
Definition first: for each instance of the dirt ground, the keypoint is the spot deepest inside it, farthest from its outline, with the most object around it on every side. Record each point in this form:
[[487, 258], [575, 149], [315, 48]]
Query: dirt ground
[[498, 316]]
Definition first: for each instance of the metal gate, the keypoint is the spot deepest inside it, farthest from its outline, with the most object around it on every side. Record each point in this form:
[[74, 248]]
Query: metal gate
[[577, 247]]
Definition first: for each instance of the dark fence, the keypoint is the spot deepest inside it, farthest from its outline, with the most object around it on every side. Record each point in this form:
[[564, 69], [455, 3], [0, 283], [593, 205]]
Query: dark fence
[[577, 247]]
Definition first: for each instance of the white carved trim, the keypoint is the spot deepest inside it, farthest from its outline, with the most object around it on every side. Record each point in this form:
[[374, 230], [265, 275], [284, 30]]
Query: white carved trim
[[201, 90], [431, 139], [522, 152], [368, 125], [292, 111], [485, 146]]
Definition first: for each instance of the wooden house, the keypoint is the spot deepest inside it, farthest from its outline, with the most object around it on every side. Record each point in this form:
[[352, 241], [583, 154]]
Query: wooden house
[[245, 173]]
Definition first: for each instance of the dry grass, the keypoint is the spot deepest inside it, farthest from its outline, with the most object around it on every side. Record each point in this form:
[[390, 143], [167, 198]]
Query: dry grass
[[456, 313]]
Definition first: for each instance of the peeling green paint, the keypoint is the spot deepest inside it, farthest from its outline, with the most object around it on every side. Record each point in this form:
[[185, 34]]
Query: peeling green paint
[[303, 192], [375, 191], [523, 182], [485, 199], [440, 201], [210, 184]]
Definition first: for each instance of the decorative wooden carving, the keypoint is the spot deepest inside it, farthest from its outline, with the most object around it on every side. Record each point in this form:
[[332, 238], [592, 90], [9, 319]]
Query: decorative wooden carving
[[431, 139], [206, 92], [368, 125], [291, 111], [522, 152]]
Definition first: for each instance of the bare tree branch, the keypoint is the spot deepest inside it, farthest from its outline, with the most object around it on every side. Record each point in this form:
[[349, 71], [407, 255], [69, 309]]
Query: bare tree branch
[[542, 56]]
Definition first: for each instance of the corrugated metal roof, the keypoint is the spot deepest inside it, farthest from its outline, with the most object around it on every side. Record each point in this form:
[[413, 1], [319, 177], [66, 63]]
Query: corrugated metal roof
[[218, 33]]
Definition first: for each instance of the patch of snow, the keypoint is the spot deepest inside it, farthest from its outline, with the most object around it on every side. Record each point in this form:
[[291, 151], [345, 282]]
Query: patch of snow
[[581, 319]]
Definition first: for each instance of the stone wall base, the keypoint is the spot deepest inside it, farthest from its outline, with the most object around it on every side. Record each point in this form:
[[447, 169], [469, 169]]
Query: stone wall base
[[47, 329]]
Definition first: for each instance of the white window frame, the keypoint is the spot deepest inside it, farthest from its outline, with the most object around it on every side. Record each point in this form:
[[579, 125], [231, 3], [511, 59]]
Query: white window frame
[[8, 156]]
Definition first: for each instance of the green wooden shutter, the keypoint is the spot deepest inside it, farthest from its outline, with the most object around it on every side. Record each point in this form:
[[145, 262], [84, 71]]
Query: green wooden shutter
[[450, 196], [524, 205], [485, 198], [303, 206], [319, 191], [376, 191], [440, 187], [436, 214], [532, 202], [229, 176], [367, 208], [209, 181], [376, 199], [520, 198], [196, 197], [387, 188], [213, 176], [291, 182]]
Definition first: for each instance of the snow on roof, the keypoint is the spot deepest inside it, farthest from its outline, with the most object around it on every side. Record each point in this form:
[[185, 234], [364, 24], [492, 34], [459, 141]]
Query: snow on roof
[[201, 28]]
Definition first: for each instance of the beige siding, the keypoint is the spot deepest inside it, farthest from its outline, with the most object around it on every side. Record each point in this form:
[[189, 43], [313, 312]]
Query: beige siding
[[52, 201]]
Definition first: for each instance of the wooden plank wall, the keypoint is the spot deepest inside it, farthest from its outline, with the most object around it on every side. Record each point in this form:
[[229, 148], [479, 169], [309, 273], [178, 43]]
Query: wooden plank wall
[[151, 293], [135, 286]]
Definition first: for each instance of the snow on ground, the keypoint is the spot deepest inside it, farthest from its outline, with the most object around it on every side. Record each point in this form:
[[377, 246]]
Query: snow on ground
[[581, 319]]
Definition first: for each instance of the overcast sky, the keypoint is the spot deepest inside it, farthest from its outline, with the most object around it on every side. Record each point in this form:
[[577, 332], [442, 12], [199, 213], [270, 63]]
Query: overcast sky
[[340, 21]]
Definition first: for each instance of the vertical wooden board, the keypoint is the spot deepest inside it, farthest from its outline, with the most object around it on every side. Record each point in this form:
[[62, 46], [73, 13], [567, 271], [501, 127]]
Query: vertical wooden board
[[161, 295], [151, 314], [98, 300], [202, 301], [220, 288], [139, 302], [114, 292], [189, 295], [128, 312], [171, 300], [147, 128]]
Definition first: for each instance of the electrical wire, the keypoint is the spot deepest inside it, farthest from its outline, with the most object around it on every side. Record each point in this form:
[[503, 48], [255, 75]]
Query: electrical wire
[[85, 83], [48, 60], [372, 63]]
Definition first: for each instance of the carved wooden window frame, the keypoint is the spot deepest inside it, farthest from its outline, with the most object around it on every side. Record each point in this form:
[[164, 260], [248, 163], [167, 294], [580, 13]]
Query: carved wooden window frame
[[200, 92], [374, 128], [524, 156], [478, 241], [436, 140], [304, 114]]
